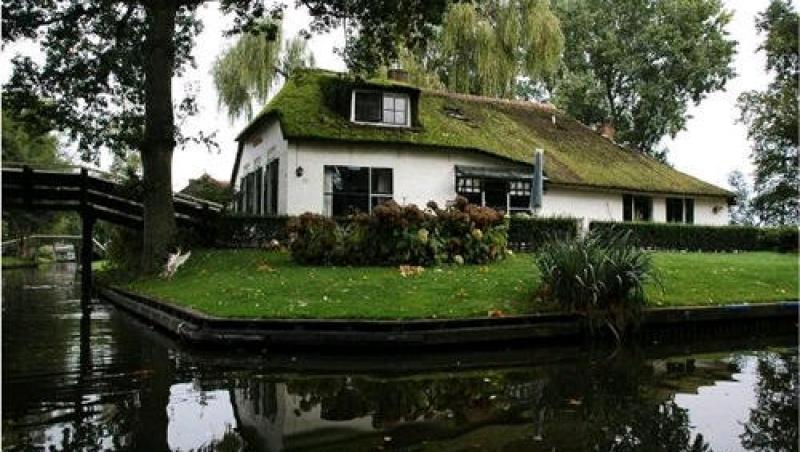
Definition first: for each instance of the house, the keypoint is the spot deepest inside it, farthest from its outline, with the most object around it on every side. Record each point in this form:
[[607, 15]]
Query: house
[[330, 143]]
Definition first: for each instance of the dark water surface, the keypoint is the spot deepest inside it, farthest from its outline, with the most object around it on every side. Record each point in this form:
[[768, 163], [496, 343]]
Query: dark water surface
[[114, 384]]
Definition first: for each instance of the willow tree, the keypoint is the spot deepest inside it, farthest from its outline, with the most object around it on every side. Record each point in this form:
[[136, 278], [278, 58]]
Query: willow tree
[[245, 73], [486, 48]]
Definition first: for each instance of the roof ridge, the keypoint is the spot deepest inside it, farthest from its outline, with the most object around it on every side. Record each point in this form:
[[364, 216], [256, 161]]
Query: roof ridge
[[488, 99]]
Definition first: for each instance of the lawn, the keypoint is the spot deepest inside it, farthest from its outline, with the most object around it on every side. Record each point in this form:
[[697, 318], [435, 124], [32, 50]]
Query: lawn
[[253, 283], [17, 262], [722, 278]]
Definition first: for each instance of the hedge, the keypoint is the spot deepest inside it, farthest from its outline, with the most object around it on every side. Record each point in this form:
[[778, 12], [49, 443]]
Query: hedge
[[256, 231], [530, 233], [668, 236], [248, 231]]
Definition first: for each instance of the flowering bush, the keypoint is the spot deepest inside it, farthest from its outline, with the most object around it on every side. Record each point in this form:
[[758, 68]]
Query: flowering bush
[[402, 235]]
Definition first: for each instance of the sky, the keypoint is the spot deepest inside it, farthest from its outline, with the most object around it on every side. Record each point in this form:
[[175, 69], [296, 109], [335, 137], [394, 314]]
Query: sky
[[712, 145]]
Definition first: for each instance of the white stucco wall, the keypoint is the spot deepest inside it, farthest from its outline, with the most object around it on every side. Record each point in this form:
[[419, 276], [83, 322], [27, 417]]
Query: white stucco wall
[[607, 206], [421, 175], [711, 211], [262, 148], [588, 205]]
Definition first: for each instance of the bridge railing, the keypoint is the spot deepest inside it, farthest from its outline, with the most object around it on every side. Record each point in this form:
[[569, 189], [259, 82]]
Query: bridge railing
[[74, 187]]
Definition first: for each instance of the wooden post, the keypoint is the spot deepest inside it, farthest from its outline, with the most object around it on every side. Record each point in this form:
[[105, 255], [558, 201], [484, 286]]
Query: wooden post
[[27, 186], [87, 227]]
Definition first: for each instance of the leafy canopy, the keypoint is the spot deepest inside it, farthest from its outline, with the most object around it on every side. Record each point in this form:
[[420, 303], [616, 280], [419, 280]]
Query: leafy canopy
[[771, 116], [641, 63], [484, 48], [246, 72]]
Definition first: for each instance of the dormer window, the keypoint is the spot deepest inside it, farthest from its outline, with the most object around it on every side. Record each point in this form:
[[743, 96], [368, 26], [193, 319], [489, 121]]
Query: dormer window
[[380, 108]]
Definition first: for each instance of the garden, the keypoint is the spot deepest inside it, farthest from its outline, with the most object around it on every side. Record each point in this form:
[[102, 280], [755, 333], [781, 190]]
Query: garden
[[403, 262]]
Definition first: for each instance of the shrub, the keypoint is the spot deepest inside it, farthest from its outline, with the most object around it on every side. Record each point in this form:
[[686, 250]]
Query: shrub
[[393, 234], [529, 233], [601, 275], [782, 238], [247, 231], [686, 237], [124, 249], [690, 237], [45, 253]]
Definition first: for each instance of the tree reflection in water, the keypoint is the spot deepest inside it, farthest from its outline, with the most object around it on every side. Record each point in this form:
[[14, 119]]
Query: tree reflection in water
[[773, 423], [625, 404]]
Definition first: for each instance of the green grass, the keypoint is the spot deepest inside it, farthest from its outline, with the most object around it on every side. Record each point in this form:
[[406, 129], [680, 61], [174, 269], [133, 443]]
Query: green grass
[[99, 266], [14, 262], [723, 278], [259, 284]]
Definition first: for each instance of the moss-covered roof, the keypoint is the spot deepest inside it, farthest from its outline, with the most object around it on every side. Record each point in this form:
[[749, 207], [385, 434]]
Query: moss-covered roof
[[315, 104]]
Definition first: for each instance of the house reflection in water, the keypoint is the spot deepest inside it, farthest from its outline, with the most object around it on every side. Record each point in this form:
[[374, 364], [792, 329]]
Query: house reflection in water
[[571, 408]]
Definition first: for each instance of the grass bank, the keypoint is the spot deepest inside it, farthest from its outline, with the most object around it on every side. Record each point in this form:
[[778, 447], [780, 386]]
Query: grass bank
[[722, 278], [17, 262], [259, 284]]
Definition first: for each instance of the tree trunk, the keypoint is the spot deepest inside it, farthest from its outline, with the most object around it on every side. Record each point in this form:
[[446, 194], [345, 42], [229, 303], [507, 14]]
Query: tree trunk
[[159, 135]]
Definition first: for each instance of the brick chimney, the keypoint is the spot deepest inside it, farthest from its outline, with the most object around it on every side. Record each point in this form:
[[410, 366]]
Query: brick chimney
[[607, 129], [397, 73]]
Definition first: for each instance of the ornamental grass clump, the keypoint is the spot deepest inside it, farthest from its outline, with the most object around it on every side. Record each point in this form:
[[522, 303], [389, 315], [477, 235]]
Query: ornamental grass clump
[[402, 235], [601, 276]]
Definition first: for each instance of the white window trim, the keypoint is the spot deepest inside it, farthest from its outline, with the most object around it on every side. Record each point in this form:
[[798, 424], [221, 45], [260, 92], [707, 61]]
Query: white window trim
[[380, 124]]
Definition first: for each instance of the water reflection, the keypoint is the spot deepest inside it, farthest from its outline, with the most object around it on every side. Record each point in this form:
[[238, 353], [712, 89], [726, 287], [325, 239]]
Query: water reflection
[[773, 422], [112, 383]]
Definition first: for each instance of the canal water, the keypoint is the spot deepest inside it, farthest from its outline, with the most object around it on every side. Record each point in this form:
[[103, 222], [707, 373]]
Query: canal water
[[112, 383]]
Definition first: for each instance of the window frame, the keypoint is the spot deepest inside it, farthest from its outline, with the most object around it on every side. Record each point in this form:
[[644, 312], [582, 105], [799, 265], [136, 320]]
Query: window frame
[[687, 209], [371, 195], [395, 95], [470, 186], [629, 201]]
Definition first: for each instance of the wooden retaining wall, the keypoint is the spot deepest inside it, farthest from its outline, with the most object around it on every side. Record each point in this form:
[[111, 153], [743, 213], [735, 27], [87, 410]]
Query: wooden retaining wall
[[198, 328]]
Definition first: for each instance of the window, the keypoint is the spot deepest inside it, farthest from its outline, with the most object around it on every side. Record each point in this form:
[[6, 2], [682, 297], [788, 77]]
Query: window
[[689, 208], [680, 210], [637, 208], [272, 188], [391, 109], [258, 175], [381, 186], [519, 195], [247, 190], [501, 194], [394, 109], [349, 189], [368, 107], [258, 190], [470, 188]]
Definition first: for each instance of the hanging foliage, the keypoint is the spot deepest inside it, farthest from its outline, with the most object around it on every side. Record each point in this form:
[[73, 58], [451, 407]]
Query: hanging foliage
[[245, 73], [485, 48]]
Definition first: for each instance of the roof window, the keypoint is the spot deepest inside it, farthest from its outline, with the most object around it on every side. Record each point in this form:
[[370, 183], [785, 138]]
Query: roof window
[[380, 108]]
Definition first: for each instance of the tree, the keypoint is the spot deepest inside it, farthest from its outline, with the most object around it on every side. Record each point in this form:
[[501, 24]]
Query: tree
[[246, 72], [110, 64], [639, 64], [771, 117], [485, 48], [295, 55], [742, 212], [208, 188], [28, 140]]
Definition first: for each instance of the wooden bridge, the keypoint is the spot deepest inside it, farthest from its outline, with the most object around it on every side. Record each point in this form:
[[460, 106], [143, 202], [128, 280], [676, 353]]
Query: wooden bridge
[[95, 195], [89, 192]]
